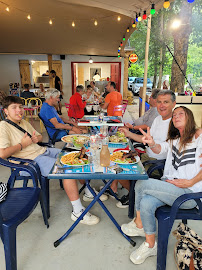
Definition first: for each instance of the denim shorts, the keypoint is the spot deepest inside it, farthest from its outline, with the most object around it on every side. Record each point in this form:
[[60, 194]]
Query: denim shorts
[[47, 160]]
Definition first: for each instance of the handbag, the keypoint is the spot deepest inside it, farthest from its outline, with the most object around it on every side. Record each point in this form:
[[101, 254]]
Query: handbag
[[188, 249], [3, 191]]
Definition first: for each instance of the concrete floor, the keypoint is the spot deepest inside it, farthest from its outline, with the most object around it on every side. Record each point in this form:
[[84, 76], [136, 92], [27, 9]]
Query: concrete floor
[[99, 247]]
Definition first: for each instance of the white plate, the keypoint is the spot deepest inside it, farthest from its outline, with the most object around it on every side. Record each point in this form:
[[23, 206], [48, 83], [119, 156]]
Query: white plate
[[126, 151], [71, 136], [72, 165]]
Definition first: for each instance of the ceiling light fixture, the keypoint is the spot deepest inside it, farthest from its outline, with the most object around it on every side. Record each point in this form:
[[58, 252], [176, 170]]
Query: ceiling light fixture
[[50, 22], [95, 23], [8, 9], [90, 60], [28, 17], [119, 18], [73, 24]]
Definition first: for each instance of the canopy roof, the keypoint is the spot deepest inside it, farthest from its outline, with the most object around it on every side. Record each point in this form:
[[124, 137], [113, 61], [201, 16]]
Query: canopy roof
[[37, 36]]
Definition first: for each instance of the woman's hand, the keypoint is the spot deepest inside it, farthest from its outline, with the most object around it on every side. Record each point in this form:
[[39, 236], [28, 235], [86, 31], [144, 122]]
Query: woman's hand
[[125, 131], [181, 183], [128, 125], [147, 138]]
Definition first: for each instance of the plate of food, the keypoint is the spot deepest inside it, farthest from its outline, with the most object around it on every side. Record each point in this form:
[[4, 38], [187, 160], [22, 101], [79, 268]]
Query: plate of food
[[76, 158], [124, 157], [119, 137], [78, 140]]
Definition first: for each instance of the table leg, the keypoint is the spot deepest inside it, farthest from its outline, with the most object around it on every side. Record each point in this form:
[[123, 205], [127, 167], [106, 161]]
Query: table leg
[[96, 198]]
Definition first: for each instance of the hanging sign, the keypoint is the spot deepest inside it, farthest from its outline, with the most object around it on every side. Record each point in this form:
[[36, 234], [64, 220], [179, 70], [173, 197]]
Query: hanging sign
[[133, 58]]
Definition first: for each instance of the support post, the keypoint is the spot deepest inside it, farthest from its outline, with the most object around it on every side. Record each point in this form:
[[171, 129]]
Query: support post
[[50, 67], [142, 111], [125, 81]]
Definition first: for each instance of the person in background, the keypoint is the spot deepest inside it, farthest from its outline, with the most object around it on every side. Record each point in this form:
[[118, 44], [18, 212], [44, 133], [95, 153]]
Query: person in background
[[51, 118], [58, 86], [182, 175], [113, 99], [16, 143], [2, 96], [77, 106], [147, 119], [96, 77], [88, 96], [95, 89], [46, 74], [26, 93], [41, 92]]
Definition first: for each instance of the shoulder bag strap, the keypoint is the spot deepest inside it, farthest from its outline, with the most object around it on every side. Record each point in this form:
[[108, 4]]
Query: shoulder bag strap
[[18, 127]]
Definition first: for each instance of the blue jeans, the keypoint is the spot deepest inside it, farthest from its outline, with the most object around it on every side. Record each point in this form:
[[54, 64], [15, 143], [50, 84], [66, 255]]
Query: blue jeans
[[151, 194]]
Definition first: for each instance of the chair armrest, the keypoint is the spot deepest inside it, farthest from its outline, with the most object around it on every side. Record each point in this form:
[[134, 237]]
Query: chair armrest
[[180, 200]]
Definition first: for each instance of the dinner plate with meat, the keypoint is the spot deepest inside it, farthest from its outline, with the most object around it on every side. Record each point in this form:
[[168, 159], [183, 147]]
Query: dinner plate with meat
[[124, 157]]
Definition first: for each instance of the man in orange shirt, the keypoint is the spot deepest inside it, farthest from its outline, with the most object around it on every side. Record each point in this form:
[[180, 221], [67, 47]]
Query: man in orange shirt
[[113, 99]]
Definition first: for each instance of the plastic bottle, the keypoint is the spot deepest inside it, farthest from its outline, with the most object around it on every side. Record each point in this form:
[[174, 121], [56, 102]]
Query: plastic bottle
[[105, 156]]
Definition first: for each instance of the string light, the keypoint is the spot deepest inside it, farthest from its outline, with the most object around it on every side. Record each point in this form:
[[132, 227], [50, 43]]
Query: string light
[[128, 30], [8, 9], [50, 22], [144, 17], [121, 44], [139, 17], [119, 47], [152, 12], [119, 50], [124, 38], [95, 23], [90, 60], [166, 4], [133, 24], [28, 17], [73, 24], [190, 1], [119, 18]]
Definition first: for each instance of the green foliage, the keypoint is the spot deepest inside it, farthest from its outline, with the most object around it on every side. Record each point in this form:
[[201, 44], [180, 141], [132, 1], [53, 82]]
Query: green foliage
[[136, 70], [138, 40]]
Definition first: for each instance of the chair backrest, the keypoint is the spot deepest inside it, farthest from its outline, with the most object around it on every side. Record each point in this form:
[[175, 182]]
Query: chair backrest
[[24, 101], [125, 101], [120, 108]]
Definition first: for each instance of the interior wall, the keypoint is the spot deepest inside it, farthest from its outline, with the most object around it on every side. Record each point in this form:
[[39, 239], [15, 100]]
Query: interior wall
[[9, 69]]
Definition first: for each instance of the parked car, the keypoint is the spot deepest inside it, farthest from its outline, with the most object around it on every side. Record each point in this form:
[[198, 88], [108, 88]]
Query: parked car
[[139, 83], [130, 82]]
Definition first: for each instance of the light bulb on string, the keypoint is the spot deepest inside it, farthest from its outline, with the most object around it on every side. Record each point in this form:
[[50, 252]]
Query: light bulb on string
[[119, 51], [124, 38], [7, 9], [119, 47], [118, 55], [121, 44], [118, 18], [95, 23], [73, 24], [90, 60], [190, 1], [166, 4], [152, 12], [128, 30], [139, 17], [50, 22], [144, 17], [28, 17], [136, 18], [133, 24]]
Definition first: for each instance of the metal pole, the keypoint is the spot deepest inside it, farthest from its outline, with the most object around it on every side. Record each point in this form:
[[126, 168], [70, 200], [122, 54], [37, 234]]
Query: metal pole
[[146, 66]]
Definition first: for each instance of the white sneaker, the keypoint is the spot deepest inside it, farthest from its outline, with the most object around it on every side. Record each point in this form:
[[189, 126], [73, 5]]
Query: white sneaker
[[88, 219], [143, 252], [89, 198], [131, 229]]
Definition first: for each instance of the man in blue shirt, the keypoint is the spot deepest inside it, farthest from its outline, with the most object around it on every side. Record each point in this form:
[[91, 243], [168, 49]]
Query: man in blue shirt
[[51, 118]]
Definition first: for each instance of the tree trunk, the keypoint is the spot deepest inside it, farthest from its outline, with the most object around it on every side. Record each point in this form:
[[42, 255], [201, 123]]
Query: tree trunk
[[181, 41], [155, 72]]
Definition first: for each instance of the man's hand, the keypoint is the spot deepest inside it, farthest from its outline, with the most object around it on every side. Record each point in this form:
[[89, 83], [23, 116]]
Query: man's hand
[[77, 130], [147, 138], [181, 183], [129, 125], [34, 137], [26, 141], [126, 132]]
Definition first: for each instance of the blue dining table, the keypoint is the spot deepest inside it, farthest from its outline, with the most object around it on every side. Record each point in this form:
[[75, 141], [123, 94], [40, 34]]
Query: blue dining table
[[89, 172]]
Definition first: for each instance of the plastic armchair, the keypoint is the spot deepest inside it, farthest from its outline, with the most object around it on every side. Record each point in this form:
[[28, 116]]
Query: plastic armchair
[[167, 215], [19, 204], [53, 139], [120, 108], [71, 107], [125, 101]]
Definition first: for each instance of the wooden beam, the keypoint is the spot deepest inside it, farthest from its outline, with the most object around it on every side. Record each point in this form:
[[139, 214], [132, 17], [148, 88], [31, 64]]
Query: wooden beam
[[142, 111], [50, 67], [125, 80]]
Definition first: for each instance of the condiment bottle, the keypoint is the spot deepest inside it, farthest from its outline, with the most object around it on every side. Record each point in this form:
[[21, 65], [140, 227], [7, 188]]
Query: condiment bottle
[[105, 156]]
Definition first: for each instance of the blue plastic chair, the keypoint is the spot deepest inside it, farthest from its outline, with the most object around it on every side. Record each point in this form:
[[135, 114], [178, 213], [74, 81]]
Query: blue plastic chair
[[167, 215], [52, 140], [19, 204]]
